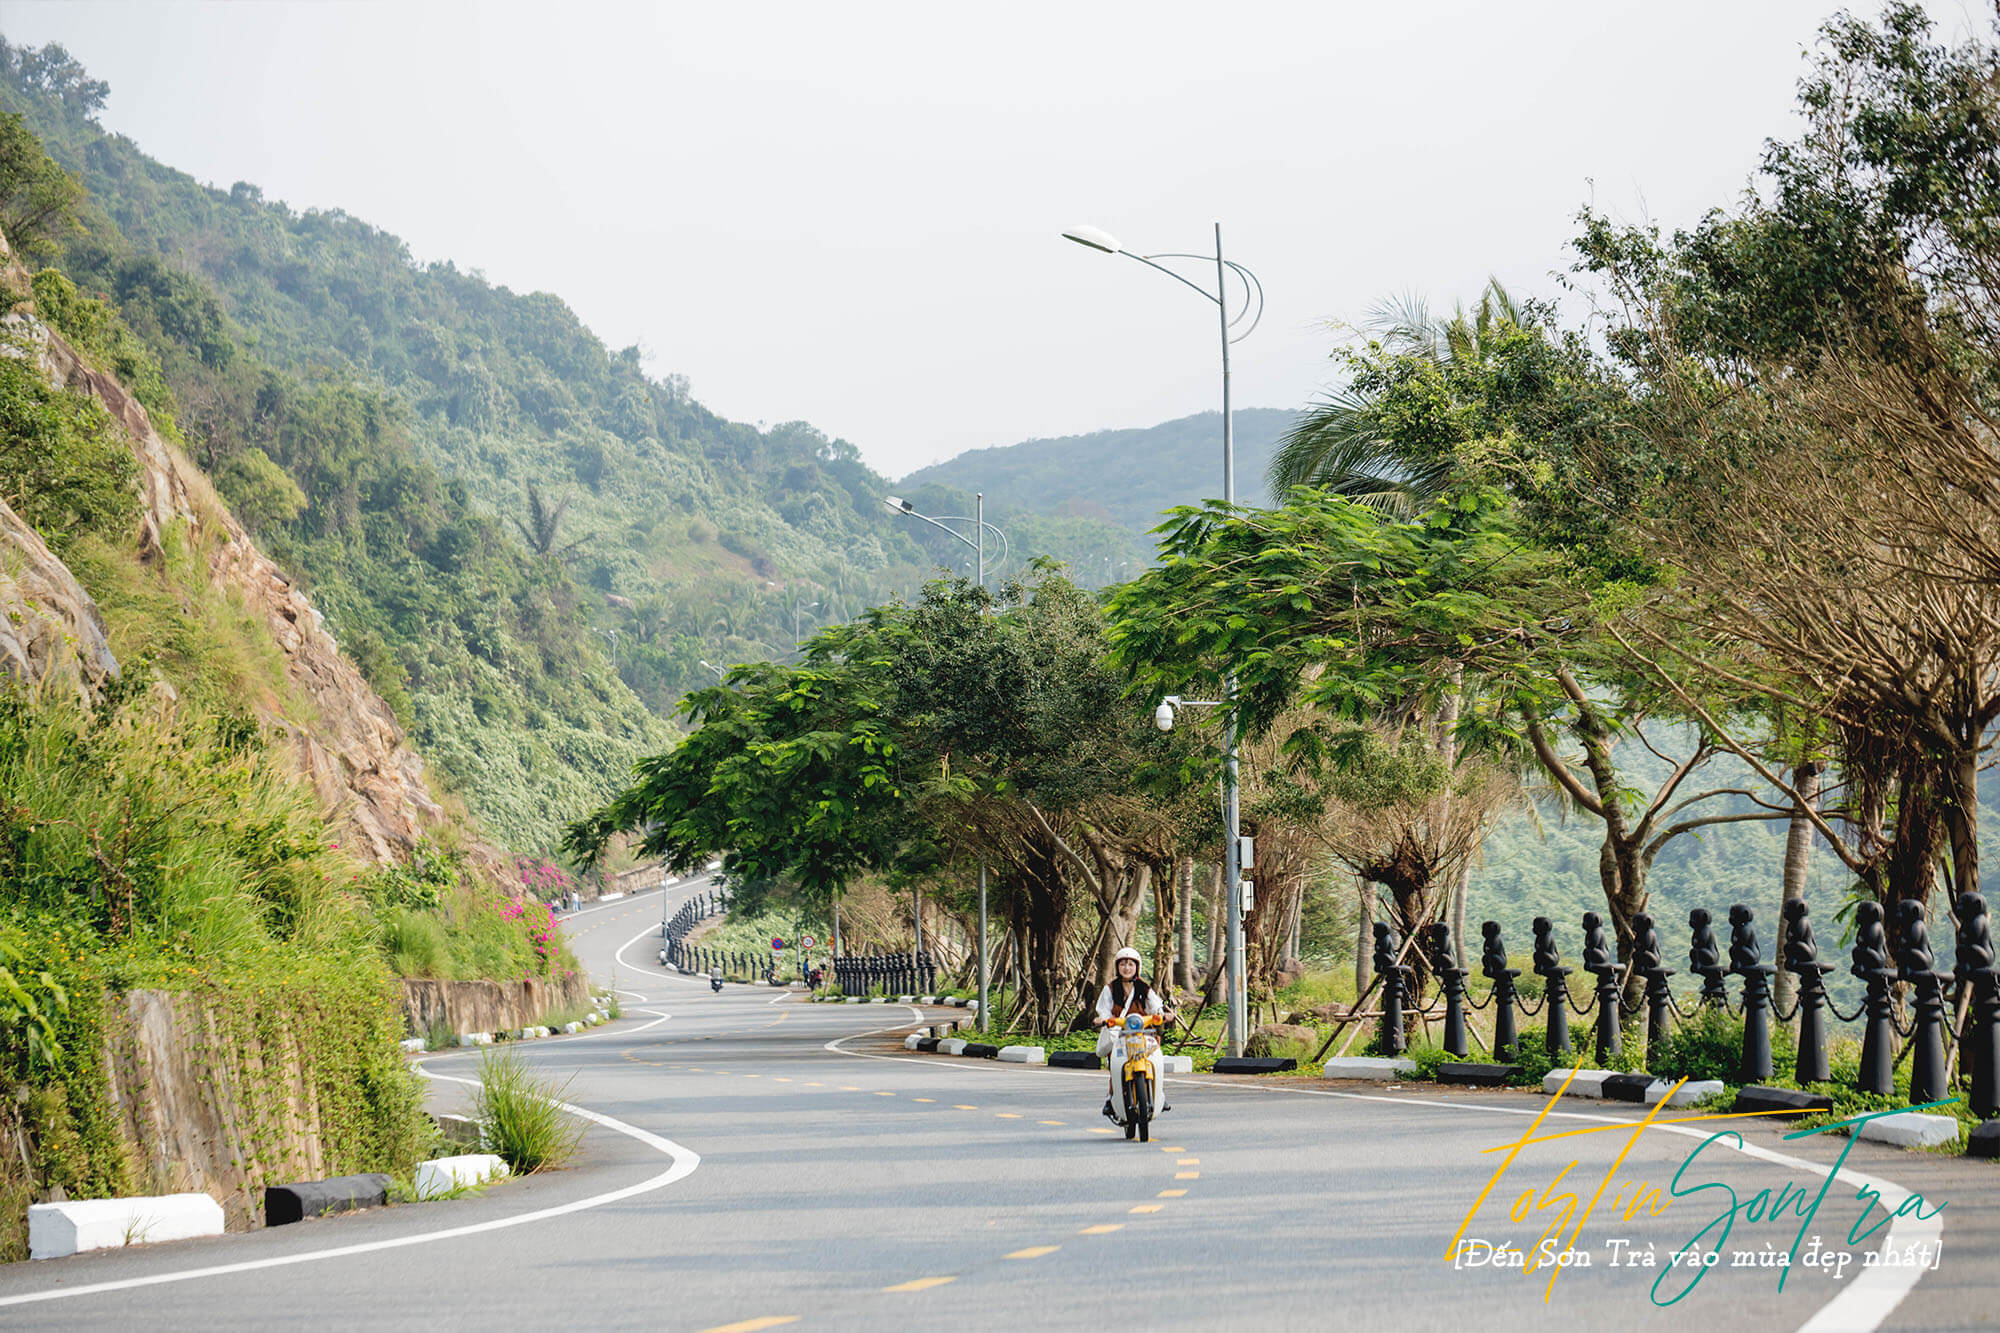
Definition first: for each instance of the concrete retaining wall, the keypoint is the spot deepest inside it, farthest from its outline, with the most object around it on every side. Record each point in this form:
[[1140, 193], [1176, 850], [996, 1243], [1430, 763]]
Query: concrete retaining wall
[[488, 1006]]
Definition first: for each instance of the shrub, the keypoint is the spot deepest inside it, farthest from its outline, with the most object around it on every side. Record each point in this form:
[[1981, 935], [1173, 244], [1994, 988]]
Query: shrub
[[521, 1117], [63, 468]]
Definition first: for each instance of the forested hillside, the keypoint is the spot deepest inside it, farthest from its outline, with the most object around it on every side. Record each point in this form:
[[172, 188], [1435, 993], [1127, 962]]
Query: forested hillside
[[527, 545]]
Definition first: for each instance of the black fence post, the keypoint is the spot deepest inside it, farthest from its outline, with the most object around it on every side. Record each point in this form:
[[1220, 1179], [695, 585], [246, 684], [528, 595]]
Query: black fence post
[[1976, 969], [1597, 961], [1452, 978], [1548, 966], [1386, 945], [1870, 962], [1659, 998], [1802, 961], [1746, 961], [1705, 960], [1493, 962], [1919, 968]]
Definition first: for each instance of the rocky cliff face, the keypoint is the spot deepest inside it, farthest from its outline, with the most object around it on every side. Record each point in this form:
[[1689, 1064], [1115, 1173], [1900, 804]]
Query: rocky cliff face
[[350, 746]]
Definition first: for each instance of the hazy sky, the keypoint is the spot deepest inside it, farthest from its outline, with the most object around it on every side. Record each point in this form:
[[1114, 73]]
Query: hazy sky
[[849, 212]]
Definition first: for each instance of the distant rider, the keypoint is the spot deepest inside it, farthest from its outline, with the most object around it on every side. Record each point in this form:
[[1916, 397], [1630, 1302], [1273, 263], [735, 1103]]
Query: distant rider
[[1128, 993]]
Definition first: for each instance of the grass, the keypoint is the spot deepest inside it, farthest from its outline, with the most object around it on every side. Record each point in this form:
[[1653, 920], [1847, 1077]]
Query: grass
[[521, 1116]]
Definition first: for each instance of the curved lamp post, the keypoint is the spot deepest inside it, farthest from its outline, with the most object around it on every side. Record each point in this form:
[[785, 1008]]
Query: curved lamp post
[[903, 506], [1247, 302]]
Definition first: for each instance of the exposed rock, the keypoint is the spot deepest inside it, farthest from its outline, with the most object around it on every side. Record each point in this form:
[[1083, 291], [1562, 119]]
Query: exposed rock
[[349, 745], [49, 626]]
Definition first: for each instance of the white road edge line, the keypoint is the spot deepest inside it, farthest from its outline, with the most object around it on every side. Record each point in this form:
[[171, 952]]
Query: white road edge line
[[685, 1160], [1860, 1309]]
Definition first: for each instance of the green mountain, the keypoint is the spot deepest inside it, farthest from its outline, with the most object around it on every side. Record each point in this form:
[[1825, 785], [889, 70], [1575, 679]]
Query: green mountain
[[1126, 477], [527, 545]]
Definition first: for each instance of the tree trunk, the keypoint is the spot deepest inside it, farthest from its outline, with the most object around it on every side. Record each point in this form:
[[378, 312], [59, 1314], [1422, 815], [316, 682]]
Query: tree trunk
[[1798, 861], [1461, 879], [1163, 930], [1364, 934], [1184, 977], [1218, 911]]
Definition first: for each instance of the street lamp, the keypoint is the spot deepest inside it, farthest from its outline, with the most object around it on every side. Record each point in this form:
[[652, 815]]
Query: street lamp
[[903, 506], [712, 667], [1248, 304]]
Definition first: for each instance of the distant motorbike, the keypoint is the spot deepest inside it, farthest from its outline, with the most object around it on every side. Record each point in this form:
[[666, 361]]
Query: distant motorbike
[[715, 982], [1138, 1069]]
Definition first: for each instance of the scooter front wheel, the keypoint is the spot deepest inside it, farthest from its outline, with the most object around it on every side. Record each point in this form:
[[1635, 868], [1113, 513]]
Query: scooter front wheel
[[1142, 1108]]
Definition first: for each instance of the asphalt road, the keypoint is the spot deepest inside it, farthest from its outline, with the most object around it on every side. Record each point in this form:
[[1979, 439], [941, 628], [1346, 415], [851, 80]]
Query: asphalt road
[[760, 1161]]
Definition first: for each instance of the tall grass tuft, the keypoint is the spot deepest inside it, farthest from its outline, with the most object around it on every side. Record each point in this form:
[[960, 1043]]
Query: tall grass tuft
[[521, 1116]]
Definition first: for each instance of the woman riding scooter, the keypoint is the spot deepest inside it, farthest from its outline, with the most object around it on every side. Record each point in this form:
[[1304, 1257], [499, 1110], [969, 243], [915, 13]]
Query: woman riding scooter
[[1128, 993]]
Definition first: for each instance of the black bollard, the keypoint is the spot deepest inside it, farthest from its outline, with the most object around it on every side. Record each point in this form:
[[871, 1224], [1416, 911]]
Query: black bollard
[[1386, 948], [1659, 997], [1746, 961], [1917, 967], [1548, 966], [1493, 962], [1870, 962], [1976, 969], [1597, 961], [1802, 961], [1452, 978], [1705, 959]]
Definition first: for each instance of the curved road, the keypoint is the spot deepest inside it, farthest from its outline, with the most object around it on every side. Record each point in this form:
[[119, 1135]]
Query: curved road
[[758, 1161]]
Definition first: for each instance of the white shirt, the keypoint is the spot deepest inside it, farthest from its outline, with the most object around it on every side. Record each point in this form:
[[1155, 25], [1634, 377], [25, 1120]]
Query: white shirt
[[1153, 1004]]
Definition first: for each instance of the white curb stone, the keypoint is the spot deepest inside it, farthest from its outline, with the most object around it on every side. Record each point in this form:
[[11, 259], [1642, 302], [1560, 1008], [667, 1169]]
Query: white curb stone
[[1911, 1129], [1177, 1064], [1024, 1055], [414, 1044], [1587, 1083], [906, 999], [475, 1039], [59, 1229], [927, 999], [1690, 1093], [910, 1042], [445, 1174], [1368, 1066], [572, 1027], [951, 1046]]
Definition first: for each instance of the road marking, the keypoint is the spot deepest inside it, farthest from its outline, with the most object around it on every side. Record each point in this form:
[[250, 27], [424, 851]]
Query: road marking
[[845, 1088], [1102, 1229], [1189, 1161], [685, 1161], [1005, 1115], [782, 1079], [921, 1284], [1171, 1194], [1187, 1175], [752, 1325], [1051, 1122], [1173, 1150], [815, 1085], [1101, 1130], [965, 1108], [926, 1099], [753, 1076], [1148, 1208], [885, 1094], [1033, 1252]]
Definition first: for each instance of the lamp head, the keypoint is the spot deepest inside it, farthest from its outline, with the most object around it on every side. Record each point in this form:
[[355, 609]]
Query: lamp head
[[1094, 237], [1163, 716], [898, 502]]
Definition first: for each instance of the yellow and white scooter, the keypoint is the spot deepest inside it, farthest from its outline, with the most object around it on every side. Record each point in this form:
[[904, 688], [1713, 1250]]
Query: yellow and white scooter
[[1138, 1071]]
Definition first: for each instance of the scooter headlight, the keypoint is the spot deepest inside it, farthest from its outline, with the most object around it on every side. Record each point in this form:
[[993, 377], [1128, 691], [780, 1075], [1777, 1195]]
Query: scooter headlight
[[1133, 1022]]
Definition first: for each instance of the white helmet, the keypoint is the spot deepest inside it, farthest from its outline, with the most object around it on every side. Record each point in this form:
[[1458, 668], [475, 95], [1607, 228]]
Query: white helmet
[[1123, 954]]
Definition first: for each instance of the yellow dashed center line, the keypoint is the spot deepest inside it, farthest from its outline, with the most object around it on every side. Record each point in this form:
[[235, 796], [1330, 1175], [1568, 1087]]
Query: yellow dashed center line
[[1102, 1130], [926, 1099], [965, 1108], [1171, 1194], [815, 1085], [1187, 1175], [1034, 1252], [1005, 1115], [845, 1088], [1148, 1208], [921, 1284], [752, 1325], [885, 1094], [1173, 1150], [1102, 1229], [1189, 1161], [1051, 1122], [784, 1080]]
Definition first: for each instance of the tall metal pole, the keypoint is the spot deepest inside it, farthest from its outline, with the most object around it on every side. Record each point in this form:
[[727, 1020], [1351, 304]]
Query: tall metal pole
[[979, 522], [1232, 855]]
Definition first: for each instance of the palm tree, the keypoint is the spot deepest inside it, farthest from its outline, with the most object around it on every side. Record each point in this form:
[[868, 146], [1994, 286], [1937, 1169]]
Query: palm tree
[[1336, 445]]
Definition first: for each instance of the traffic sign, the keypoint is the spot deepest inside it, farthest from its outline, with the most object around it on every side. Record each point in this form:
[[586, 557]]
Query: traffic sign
[[809, 942], [778, 943]]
